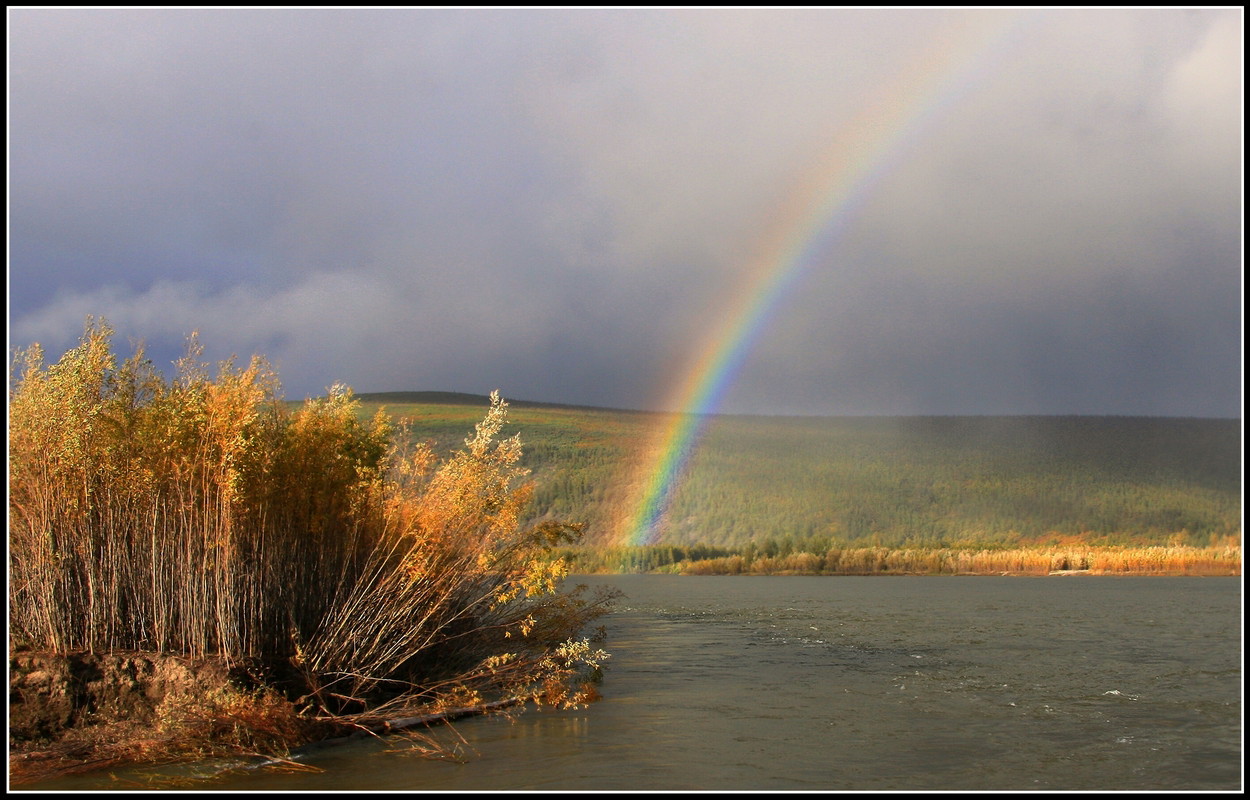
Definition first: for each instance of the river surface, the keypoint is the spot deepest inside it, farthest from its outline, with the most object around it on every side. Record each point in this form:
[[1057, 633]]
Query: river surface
[[863, 683]]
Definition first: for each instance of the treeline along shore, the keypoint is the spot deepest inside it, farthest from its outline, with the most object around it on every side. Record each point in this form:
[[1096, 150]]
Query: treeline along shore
[[1039, 560]]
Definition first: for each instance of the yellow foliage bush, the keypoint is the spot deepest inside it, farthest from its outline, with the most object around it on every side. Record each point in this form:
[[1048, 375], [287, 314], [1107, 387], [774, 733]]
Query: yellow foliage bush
[[202, 515]]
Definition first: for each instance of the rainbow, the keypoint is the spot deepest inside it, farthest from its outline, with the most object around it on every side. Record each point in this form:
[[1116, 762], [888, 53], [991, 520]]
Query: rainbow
[[860, 155]]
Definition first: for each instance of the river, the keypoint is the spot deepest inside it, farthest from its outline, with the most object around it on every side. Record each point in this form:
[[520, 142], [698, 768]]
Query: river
[[863, 683]]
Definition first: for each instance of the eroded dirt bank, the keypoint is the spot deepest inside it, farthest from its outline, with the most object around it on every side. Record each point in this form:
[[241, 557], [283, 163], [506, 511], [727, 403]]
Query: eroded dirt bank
[[50, 694], [83, 711]]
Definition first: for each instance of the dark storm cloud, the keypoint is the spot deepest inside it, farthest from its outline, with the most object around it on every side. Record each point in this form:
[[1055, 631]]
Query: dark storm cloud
[[559, 203]]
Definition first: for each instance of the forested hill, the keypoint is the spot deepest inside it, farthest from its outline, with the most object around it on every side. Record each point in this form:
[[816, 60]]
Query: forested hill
[[893, 481]]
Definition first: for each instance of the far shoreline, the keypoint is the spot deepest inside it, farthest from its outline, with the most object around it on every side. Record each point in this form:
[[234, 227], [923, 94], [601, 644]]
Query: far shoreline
[[1062, 560], [1082, 573]]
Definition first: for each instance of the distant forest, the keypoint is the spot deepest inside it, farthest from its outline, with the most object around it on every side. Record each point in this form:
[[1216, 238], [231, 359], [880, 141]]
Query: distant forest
[[781, 485]]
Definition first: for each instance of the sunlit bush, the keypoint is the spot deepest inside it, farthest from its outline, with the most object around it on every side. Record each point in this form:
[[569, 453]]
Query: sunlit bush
[[202, 515]]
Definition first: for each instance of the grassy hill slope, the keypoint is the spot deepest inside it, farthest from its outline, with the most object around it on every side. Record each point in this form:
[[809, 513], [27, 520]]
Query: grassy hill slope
[[807, 483]]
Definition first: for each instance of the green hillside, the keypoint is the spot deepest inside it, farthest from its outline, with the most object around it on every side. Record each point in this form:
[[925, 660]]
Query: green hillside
[[807, 483]]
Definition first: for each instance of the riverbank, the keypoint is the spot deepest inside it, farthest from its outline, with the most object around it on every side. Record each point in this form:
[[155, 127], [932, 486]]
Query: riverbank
[[77, 713], [80, 712]]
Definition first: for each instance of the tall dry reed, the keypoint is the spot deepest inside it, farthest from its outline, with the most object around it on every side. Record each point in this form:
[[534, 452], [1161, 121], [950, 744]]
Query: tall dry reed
[[201, 515]]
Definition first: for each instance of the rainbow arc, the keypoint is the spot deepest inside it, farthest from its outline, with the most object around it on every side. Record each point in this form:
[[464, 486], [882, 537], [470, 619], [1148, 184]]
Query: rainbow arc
[[861, 152]]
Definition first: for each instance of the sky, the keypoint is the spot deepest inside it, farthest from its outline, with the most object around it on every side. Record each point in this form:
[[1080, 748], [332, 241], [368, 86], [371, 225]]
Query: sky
[[568, 205]]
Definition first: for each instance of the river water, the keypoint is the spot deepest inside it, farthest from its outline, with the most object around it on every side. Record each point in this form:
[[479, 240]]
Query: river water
[[864, 683]]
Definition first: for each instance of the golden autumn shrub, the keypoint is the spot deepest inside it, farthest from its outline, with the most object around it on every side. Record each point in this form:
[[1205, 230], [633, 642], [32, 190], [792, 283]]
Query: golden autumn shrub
[[203, 515]]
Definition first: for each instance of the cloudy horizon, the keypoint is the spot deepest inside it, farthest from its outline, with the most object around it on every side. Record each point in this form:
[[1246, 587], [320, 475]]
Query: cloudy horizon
[[560, 204]]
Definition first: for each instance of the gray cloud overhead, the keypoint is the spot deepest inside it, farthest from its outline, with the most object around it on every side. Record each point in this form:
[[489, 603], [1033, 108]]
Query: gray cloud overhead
[[560, 203]]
